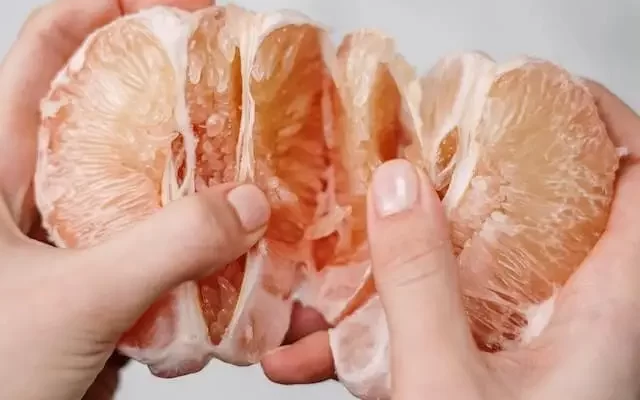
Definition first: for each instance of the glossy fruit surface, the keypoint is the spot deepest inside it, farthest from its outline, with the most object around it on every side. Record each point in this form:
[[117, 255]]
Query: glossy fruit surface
[[161, 104]]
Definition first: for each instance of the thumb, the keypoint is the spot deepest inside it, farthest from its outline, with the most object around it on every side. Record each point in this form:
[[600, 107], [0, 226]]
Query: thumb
[[415, 273], [187, 240]]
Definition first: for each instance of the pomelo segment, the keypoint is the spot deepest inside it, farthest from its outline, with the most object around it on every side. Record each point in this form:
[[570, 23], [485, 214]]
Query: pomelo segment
[[130, 163], [527, 187], [161, 104], [531, 196], [447, 91], [369, 122]]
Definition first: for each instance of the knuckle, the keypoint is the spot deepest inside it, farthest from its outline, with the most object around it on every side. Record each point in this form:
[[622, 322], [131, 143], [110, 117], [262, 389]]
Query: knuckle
[[33, 16], [39, 20], [54, 26], [208, 224], [413, 264], [204, 218]]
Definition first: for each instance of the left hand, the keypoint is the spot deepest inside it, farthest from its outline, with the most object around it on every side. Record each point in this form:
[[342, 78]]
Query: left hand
[[63, 311]]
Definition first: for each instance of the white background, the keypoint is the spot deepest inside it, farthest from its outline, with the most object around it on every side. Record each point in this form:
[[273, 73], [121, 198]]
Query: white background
[[596, 38]]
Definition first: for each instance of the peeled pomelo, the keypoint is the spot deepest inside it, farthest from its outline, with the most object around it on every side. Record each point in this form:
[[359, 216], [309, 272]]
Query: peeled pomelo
[[526, 170], [160, 104], [157, 106]]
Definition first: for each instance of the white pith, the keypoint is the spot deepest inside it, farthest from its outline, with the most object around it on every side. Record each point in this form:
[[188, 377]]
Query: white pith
[[622, 152], [191, 341], [369, 50], [538, 317], [478, 75], [330, 290], [371, 381], [474, 66], [250, 30]]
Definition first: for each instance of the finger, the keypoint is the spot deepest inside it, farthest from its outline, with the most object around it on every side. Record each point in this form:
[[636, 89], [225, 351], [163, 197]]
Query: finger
[[106, 383], [51, 34], [304, 322], [187, 240], [415, 273], [47, 40], [56, 30], [306, 361]]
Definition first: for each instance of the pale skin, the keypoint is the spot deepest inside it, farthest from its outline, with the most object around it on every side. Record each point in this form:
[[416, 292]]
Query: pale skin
[[63, 311]]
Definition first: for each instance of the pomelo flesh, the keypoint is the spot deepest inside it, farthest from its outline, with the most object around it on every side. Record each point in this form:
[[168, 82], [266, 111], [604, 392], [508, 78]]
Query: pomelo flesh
[[371, 122], [161, 104]]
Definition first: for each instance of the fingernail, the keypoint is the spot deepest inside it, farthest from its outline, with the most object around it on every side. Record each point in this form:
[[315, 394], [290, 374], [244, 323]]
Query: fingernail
[[395, 187], [251, 206]]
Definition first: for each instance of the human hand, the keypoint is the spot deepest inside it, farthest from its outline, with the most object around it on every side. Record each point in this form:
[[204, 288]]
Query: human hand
[[590, 349], [64, 310]]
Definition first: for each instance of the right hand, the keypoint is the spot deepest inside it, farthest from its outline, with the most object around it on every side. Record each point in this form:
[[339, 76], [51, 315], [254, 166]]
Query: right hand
[[590, 350]]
